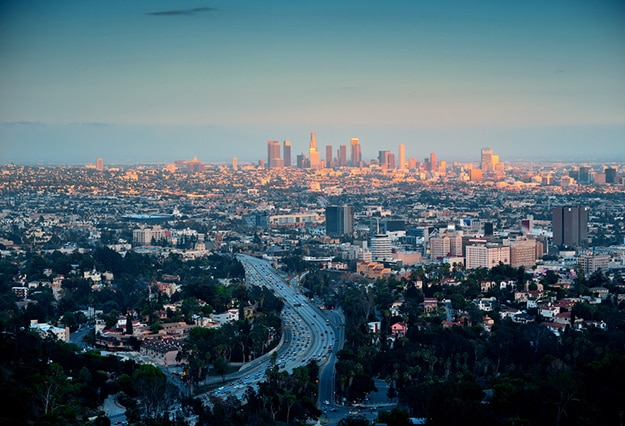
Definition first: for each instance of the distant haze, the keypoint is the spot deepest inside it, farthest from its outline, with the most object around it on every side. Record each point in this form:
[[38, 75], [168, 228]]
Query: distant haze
[[160, 80]]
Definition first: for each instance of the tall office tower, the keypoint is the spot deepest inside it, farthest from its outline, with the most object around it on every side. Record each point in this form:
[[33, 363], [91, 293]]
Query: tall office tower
[[235, 163], [433, 162], [99, 164], [390, 161], [314, 161], [273, 154], [328, 155], [313, 154], [527, 225], [381, 247], [455, 244], [570, 226], [383, 158], [342, 155], [487, 160], [610, 175], [339, 220], [584, 175], [402, 156], [439, 247], [356, 154], [286, 153], [301, 161], [475, 175], [442, 167]]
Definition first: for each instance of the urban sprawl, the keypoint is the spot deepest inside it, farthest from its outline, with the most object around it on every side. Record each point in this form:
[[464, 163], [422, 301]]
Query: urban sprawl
[[329, 291]]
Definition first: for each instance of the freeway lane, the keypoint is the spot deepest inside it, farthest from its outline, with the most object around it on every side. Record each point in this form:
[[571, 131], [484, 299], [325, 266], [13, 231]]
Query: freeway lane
[[310, 333], [306, 334]]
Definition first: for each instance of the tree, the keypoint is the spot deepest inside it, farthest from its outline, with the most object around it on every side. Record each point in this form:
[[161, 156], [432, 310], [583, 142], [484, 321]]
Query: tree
[[156, 327], [129, 329], [220, 364], [150, 384], [52, 390]]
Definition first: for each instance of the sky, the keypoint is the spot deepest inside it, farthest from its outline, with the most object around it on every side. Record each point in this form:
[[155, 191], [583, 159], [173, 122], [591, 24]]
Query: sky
[[160, 80]]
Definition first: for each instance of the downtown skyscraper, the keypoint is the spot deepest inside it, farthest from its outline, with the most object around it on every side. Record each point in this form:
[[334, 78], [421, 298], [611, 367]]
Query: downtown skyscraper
[[570, 226], [342, 155], [339, 220], [329, 156], [487, 160], [286, 153], [313, 154], [273, 155], [356, 153]]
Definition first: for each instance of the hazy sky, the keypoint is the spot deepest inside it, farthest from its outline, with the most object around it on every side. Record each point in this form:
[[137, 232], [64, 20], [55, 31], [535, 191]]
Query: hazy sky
[[157, 80]]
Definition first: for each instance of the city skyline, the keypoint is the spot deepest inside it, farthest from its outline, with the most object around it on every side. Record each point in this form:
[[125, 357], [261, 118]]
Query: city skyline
[[157, 81]]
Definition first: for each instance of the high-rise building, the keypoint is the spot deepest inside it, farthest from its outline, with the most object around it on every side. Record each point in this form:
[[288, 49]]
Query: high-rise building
[[433, 166], [339, 220], [99, 164], [483, 256], [455, 244], [390, 161], [313, 159], [286, 152], [402, 157], [610, 175], [356, 154], [584, 175], [381, 247], [301, 161], [591, 263], [235, 163], [328, 155], [475, 175], [313, 154], [487, 160], [570, 226], [527, 225], [342, 155], [383, 157], [442, 167], [523, 253], [439, 247], [273, 154]]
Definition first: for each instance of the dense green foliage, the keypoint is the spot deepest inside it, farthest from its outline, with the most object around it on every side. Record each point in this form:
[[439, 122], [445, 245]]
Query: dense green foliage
[[51, 382], [464, 374]]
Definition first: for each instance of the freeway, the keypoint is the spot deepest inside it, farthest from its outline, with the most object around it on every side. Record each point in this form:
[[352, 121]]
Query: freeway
[[308, 334], [312, 337]]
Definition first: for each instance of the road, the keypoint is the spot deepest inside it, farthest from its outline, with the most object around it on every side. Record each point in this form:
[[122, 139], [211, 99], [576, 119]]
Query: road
[[308, 334], [78, 336]]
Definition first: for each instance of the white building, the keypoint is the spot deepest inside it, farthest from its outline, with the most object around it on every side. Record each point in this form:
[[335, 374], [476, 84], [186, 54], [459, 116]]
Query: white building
[[591, 263], [483, 256], [45, 329], [381, 247]]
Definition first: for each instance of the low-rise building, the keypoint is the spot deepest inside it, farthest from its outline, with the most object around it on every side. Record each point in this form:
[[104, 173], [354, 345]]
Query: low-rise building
[[45, 329]]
